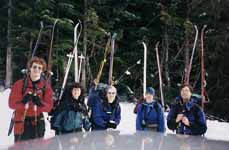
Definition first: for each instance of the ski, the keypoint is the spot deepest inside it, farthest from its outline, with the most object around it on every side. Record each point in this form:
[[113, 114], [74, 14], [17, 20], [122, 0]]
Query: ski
[[160, 76], [11, 124], [144, 69], [187, 75], [81, 57], [96, 81], [110, 80], [203, 81], [38, 39], [49, 73], [70, 58]]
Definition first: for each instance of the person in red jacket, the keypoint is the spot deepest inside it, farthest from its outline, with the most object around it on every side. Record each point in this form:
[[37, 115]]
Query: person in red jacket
[[30, 97]]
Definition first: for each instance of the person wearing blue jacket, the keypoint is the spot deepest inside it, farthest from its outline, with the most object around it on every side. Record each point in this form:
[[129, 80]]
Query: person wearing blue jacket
[[72, 113], [185, 115], [150, 115], [107, 112]]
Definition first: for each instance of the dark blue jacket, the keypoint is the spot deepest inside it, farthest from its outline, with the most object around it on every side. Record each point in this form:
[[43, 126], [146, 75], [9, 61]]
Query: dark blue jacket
[[71, 116], [104, 112], [150, 114], [194, 114]]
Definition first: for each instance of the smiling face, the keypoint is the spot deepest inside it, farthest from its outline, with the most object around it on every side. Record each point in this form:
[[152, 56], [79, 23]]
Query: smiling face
[[149, 98], [35, 71], [185, 93], [76, 93], [111, 94]]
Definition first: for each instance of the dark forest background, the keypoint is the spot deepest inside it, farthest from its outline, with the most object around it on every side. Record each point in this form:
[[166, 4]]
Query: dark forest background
[[169, 21]]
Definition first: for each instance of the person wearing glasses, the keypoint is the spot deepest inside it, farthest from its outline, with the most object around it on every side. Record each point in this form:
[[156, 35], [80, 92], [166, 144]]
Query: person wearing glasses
[[107, 112], [30, 97], [150, 115]]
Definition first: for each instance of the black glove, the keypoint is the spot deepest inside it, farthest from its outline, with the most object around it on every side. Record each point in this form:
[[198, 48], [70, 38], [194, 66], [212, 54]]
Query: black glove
[[143, 124], [36, 100], [111, 124], [79, 108], [26, 98]]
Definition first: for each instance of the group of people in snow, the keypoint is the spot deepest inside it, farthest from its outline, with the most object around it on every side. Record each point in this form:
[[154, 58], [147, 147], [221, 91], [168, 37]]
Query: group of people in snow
[[32, 95]]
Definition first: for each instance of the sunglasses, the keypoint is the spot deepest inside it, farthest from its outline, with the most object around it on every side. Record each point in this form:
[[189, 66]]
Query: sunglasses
[[113, 93], [37, 67]]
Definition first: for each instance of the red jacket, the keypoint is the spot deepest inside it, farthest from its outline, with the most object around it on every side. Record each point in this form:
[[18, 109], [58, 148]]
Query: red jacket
[[43, 90]]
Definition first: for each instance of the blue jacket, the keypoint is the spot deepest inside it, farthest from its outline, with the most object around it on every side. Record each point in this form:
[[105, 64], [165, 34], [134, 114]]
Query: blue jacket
[[149, 114], [105, 112], [194, 114]]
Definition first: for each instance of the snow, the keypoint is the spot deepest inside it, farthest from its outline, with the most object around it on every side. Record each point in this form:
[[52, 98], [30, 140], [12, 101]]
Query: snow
[[216, 130]]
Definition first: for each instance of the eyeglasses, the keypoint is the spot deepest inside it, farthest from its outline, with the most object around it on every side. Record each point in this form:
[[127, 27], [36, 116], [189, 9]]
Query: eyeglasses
[[37, 67], [113, 93]]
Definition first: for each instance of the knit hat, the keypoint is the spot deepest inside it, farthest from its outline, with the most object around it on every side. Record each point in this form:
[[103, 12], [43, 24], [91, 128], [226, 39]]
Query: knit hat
[[150, 90]]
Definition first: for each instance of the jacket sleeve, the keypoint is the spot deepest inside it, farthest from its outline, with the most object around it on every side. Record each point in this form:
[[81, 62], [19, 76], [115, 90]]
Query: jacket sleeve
[[161, 127], [97, 116], [199, 127], [117, 115], [171, 118], [47, 100], [139, 118], [16, 96]]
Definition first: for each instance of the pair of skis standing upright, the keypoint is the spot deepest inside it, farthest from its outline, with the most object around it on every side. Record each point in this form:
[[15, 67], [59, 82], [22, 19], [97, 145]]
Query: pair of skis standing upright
[[188, 69]]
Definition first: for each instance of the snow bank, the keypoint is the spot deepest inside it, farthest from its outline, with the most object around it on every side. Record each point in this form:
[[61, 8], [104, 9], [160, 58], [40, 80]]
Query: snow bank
[[5, 117], [216, 130]]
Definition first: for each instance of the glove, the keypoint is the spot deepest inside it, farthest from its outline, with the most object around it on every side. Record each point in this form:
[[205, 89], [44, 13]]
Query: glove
[[26, 98], [111, 124], [143, 124], [36, 100]]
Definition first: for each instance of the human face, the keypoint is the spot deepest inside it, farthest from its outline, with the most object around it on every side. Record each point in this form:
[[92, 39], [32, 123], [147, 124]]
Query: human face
[[35, 71], [76, 93], [111, 94], [185, 93], [149, 98]]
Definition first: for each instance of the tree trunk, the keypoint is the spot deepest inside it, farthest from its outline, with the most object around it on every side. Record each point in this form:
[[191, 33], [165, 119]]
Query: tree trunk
[[84, 44], [9, 48]]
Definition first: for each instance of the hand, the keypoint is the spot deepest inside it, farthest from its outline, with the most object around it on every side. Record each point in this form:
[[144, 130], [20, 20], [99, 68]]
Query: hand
[[143, 124], [27, 98], [179, 117], [36, 100], [185, 121], [111, 124]]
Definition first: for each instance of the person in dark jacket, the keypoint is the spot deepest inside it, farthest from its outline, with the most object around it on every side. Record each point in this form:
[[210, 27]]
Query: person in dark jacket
[[185, 116], [107, 112], [30, 97], [150, 115], [72, 113]]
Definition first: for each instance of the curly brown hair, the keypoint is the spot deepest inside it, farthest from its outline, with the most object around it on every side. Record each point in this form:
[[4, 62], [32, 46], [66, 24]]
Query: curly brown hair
[[37, 60]]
